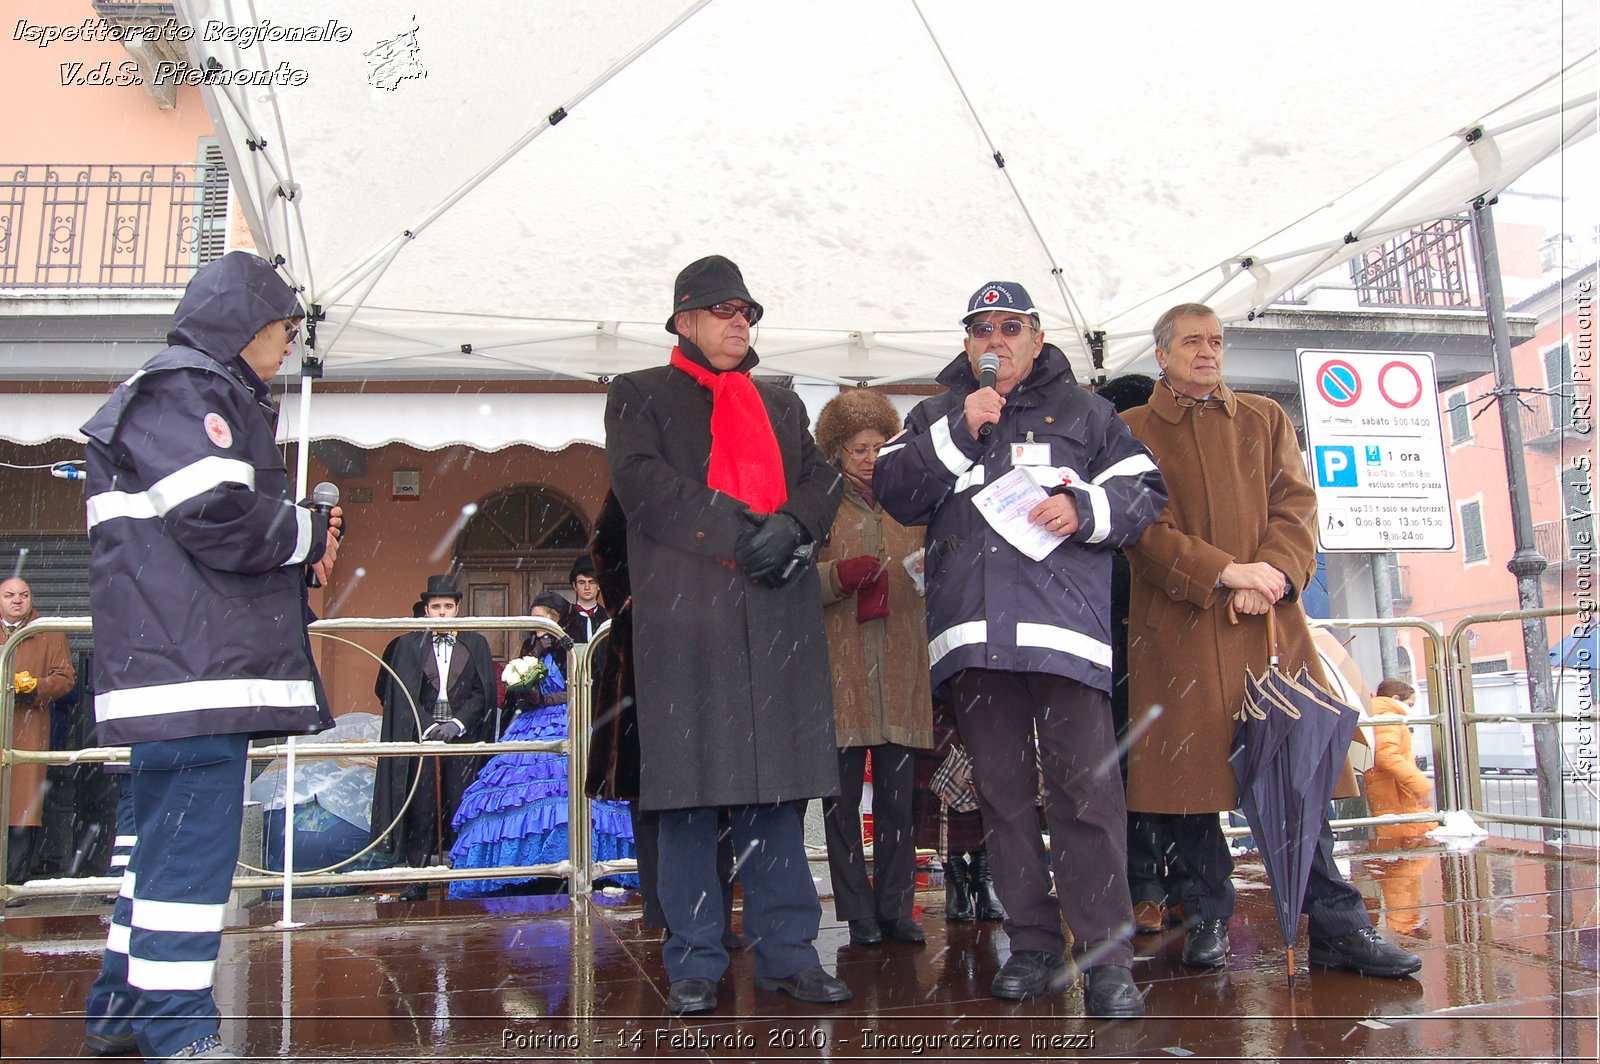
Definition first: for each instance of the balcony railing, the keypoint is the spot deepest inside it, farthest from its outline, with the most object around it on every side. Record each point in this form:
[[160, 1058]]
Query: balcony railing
[[109, 225], [1431, 266], [1548, 539]]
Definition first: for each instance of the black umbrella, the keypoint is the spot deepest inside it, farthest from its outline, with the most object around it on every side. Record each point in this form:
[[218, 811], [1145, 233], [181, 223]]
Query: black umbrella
[[1287, 751]]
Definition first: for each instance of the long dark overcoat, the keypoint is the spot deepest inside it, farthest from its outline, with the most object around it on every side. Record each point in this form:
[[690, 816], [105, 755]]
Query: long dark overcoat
[[734, 697]]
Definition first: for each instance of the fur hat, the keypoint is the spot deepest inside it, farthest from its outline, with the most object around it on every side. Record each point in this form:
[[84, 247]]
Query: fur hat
[[851, 412]]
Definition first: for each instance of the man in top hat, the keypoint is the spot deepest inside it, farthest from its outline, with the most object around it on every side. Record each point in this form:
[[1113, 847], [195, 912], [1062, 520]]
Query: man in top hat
[[585, 616], [1020, 640], [443, 690], [725, 496]]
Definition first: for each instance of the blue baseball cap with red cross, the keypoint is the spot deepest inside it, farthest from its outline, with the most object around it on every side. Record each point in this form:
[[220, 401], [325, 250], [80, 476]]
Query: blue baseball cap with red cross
[[1000, 295]]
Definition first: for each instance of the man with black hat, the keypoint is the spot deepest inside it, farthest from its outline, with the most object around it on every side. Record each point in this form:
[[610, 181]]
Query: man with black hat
[[585, 616], [726, 496], [419, 705], [1020, 631]]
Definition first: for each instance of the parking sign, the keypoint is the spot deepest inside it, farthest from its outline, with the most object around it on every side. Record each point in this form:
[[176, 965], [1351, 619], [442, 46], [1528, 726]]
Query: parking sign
[[1377, 451]]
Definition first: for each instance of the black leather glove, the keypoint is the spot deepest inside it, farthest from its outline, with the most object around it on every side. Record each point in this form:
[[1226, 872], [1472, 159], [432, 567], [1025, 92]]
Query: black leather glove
[[444, 731], [766, 544]]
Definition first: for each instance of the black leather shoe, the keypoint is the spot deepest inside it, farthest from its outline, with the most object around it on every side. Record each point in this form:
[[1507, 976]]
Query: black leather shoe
[[957, 896], [813, 985], [986, 903], [904, 929], [691, 995], [1366, 952], [1110, 993], [1207, 944], [111, 1045], [865, 933], [1029, 973]]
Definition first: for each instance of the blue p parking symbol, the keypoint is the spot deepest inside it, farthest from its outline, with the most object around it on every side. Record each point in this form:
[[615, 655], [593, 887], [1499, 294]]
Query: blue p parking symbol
[[1336, 467]]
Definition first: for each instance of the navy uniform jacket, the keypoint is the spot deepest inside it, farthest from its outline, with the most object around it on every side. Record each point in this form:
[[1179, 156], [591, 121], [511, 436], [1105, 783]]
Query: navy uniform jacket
[[989, 605], [197, 550]]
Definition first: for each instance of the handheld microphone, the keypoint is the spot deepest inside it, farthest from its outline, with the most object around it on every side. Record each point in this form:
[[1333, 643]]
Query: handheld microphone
[[988, 370], [324, 497]]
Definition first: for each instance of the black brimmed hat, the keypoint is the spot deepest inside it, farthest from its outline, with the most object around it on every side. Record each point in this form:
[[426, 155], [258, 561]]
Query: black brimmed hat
[[707, 282], [553, 602], [584, 566], [440, 587]]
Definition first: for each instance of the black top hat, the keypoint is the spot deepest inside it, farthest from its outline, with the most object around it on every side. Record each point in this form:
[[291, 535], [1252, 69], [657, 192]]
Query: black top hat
[[440, 587], [584, 566], [705, 283]]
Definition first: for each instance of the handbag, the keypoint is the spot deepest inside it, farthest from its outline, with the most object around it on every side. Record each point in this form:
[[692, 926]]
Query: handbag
[[952, 781]]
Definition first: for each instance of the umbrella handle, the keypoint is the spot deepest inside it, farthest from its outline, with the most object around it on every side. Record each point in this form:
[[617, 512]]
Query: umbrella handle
[[1272, 628]]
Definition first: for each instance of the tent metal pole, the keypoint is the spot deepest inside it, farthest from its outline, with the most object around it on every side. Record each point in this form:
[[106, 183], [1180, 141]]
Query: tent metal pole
[[1075, 312], [1526, 563]]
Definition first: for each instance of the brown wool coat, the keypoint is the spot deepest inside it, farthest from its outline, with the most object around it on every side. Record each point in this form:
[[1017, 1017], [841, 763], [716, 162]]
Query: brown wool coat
[[880, 668], [47, 659], [1394, 782], [1238, 492]]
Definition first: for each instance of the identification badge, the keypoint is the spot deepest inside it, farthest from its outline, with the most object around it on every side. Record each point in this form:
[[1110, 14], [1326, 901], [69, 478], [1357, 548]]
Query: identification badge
[[1030, 454]]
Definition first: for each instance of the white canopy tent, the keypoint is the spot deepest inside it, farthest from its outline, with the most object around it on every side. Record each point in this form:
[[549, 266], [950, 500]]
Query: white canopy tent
[[846, 156]]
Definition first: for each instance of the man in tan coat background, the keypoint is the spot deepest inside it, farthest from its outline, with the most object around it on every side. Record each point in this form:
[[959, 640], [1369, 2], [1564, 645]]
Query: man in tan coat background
[[1239, 527], [41, 672]]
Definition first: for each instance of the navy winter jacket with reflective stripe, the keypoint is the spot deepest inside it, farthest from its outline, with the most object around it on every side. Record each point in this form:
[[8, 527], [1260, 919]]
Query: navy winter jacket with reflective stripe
[[989, 605], [197, 551]]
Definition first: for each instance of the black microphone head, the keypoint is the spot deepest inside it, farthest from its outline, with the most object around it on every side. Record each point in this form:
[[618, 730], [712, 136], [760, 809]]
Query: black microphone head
[[325, 494], [988, 368]]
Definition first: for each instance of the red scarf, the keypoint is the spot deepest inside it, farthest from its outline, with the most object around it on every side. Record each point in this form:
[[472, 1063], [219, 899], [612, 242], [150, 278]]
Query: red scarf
[[745, 460]]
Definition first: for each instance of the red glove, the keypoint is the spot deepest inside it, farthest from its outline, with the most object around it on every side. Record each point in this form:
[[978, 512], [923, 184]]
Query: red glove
[[872, 601], [855, 573]]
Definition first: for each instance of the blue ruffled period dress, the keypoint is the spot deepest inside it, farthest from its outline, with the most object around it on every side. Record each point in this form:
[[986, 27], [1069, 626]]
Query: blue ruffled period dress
[[515, 812]]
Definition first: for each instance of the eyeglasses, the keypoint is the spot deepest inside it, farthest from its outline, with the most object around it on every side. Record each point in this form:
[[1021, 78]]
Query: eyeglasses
[[1010, 328], [291, 331], [1210, 402], [752, 314], [865, 450]]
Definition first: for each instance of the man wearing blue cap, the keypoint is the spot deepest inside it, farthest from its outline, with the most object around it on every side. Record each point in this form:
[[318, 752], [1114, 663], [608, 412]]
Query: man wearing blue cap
[[1020, 639]]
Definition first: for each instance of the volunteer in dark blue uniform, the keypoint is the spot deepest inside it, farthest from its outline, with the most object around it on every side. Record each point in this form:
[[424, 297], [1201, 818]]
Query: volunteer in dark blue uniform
[[197, 584], [1020, 632]]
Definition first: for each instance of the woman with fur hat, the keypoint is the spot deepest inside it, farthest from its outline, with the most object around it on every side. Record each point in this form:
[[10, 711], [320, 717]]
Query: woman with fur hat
[[877, 645]]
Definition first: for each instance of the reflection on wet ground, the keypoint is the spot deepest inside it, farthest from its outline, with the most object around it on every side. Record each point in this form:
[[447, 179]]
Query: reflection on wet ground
[[1507, 930]]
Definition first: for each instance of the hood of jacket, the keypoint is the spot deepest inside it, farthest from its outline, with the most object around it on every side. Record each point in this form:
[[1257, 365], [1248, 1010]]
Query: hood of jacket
[[228, 302]]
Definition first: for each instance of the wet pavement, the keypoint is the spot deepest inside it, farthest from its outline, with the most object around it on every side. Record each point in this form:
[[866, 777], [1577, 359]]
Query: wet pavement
[[1509, 934]]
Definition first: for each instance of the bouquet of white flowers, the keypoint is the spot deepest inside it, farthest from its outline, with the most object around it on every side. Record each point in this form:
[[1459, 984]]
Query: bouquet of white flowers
[[523, 673]]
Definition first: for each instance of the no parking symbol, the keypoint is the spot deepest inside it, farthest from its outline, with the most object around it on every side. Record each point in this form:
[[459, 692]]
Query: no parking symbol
[[1339, 383]]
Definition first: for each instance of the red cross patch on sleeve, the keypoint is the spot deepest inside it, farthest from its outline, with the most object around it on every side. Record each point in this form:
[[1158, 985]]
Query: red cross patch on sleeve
[[218, 431]]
